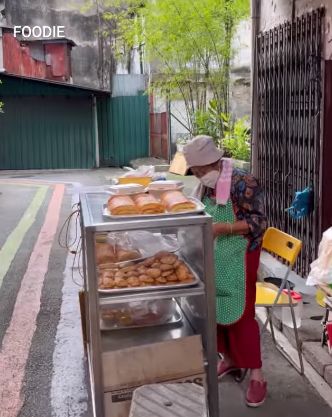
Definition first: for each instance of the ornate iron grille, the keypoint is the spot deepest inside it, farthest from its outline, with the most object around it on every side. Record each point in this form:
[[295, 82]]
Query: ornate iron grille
[[289, 89]]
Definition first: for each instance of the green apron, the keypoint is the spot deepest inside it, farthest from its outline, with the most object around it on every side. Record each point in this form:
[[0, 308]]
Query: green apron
[[230, 274]]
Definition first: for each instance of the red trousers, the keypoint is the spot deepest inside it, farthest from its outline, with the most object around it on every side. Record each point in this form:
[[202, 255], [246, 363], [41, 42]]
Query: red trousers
[[241, 341]]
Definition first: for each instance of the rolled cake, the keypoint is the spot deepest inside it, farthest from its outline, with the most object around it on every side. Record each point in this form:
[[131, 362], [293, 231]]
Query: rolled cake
[[175, 202], [147, 204], [121, 205]]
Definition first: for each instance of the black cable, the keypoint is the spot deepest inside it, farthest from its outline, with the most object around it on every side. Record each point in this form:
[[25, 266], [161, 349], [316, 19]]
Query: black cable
[[77, 256], [67, 244]]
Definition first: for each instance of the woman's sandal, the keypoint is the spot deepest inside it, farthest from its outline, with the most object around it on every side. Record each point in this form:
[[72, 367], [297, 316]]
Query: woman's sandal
[[224, 369]]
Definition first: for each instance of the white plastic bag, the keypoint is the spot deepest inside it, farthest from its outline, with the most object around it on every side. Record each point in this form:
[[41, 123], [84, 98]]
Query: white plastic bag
[[321, 268], [142, 171]]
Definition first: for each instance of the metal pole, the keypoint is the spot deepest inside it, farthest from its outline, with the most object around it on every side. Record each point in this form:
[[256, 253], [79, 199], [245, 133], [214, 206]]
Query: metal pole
[[169, 128], [255, 16], [2, 68], [96, 133]]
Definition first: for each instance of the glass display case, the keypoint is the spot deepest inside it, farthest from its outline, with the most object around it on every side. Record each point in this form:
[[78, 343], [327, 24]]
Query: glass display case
[[143, 312]]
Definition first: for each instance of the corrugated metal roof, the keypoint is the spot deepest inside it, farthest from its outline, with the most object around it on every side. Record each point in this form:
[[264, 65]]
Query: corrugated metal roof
[[47, 40], [58, 84]]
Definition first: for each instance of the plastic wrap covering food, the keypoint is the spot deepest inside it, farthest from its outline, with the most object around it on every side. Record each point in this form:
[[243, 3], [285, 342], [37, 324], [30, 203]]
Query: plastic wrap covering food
[[118, 247], [116, 250]]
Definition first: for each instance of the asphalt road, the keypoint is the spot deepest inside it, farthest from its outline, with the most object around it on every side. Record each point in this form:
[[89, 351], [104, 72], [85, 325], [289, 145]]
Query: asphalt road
[[43, 370]]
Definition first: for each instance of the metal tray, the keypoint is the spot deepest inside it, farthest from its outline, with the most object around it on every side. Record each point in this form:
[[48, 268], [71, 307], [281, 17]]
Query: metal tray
[[175, 319], [200, 207], [152, 287]]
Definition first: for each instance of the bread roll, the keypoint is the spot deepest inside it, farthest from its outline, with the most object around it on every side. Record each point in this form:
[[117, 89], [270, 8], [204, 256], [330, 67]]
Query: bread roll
[[121, 205], [104, 253], [127, 255], [169, 271], [147, 204], [175, 202]]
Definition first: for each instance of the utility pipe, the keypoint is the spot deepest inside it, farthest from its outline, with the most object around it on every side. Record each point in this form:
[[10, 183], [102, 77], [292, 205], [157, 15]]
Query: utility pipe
[[255, 21]]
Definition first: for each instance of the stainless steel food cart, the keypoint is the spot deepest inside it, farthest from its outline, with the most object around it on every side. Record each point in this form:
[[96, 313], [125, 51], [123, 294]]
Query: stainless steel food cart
[[197, 303]]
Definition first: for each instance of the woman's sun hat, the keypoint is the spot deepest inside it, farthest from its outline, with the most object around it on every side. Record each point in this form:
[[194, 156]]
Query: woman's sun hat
[[201, 151]]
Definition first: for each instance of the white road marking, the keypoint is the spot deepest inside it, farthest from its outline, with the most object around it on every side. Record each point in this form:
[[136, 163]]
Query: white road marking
[[321, 386], [69, 396]]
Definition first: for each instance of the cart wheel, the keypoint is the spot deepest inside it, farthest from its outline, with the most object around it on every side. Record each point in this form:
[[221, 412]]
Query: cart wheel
[[240, 378]]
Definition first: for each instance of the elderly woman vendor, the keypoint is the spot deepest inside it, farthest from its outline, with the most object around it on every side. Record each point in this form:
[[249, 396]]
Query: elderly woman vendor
[[235, 202]]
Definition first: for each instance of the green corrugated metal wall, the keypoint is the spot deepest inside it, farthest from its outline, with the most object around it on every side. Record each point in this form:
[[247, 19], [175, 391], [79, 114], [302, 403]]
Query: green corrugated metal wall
[[124, 135], [51, 126], [46, 133], [45, 126]]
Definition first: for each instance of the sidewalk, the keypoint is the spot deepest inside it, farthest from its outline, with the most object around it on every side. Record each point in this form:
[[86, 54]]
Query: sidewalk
[[311, 329]]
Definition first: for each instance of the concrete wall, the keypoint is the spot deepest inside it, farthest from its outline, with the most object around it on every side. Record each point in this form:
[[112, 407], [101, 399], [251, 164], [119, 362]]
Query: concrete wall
[[240, 93], [80, 26], [275, 12]]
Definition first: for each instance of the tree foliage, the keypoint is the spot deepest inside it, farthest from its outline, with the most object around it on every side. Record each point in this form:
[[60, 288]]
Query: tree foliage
[[189, 43]]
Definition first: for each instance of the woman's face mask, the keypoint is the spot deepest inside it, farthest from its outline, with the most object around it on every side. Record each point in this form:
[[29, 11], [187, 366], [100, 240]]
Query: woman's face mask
[[210, 179]]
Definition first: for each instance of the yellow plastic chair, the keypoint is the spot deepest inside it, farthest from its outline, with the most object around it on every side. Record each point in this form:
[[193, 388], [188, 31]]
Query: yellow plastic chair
[[287, 249]]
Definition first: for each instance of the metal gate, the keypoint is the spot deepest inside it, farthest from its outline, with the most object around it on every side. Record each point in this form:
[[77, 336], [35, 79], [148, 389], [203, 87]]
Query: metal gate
[[289, 92], [159, 135]]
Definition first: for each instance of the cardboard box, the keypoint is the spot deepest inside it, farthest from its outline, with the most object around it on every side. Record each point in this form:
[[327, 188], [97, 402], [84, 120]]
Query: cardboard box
[[178, 165], [179, 360]]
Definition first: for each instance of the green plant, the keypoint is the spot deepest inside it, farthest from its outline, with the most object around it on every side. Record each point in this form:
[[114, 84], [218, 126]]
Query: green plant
[[236, 141], [233, 137], [183, 140], [212, 123]]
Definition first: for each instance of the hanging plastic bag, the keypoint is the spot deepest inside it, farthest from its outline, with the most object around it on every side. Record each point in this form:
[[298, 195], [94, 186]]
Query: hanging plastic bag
[[321, 268]]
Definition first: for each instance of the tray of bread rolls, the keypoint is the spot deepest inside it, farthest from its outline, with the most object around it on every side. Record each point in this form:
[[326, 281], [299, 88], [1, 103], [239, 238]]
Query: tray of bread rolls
[[163, 270], [140, 314], [170, 203]]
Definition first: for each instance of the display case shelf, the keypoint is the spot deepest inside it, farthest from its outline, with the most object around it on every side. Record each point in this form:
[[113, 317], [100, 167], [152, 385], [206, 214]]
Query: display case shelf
[[109, 299], [124, 338]]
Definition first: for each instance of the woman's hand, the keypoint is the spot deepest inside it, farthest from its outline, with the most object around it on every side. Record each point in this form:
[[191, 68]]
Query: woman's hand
[[222, 229]]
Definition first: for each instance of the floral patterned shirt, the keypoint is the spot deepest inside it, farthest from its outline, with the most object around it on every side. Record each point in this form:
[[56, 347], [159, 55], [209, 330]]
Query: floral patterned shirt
[[248, 203]]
